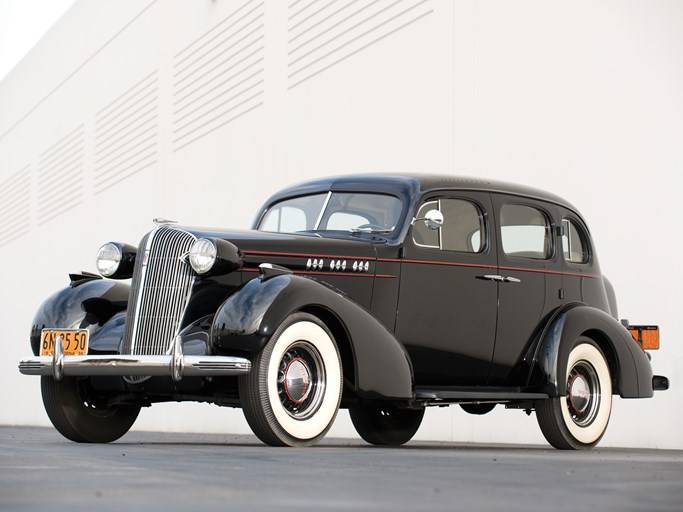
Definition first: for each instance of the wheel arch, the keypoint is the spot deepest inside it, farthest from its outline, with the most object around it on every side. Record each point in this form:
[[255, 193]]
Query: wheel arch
[[607, 349], [630, 367], [380, 367], [341, 337]]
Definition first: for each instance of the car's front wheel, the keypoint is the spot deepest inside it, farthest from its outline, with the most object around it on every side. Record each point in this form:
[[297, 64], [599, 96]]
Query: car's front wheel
[[292, 394], [578, 420], [80, 418], [386, 424]]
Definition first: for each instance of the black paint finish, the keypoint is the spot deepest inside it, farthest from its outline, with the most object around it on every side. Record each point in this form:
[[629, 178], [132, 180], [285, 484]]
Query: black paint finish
[[95, 304], [413, 317], [244, 323]]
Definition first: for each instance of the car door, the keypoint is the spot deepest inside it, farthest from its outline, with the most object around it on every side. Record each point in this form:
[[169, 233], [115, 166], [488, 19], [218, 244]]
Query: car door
[[530, 281], [446, 309]]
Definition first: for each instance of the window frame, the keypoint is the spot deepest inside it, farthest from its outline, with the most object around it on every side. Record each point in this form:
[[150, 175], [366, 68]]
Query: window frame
[[583, 236]]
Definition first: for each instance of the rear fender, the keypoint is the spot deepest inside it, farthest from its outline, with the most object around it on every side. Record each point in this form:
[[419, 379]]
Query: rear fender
[[630, 367], [247, 319]]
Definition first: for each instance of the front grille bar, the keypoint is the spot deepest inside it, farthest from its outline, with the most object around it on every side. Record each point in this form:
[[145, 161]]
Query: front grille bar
[[162, 282]]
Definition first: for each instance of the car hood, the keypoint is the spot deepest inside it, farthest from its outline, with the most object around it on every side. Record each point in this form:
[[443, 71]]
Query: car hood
[[290, 250]]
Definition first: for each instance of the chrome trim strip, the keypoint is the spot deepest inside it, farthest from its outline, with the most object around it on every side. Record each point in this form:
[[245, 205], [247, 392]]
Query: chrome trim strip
[[124, 365], [140, 284], [322, 210], [177, 361], [58, 359]]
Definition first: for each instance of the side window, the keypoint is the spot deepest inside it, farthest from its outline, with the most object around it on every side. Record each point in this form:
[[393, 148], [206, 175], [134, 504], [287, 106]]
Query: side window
[[462, 230], [574, 245], [525, 232]]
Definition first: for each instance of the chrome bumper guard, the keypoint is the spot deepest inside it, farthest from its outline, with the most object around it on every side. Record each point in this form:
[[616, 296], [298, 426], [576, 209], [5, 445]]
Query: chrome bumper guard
[[175, 365]]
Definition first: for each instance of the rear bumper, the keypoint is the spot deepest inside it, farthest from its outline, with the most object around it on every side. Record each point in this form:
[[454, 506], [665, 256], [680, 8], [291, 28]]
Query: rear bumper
[[660, 383]]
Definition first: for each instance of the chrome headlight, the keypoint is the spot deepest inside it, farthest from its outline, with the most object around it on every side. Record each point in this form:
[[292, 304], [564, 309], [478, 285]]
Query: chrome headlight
[[116, 260], [108, 259], [203, 254], [213, 256]]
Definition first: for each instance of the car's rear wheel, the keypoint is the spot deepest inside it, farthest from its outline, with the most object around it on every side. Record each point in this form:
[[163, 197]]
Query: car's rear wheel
[[292, 394], [78, 417], [578, 420], [386, 424]]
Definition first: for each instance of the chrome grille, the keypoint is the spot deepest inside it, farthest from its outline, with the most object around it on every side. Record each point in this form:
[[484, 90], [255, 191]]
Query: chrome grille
[[162, 282]]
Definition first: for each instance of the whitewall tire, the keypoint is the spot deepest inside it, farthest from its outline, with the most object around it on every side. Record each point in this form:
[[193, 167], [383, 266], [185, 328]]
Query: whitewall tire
[[292, 394], [579, 419]]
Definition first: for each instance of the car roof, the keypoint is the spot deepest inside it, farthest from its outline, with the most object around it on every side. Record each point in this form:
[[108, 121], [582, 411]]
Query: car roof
[[412, 185]]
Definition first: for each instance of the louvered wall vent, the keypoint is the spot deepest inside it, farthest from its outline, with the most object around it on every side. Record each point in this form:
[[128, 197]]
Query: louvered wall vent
[[60, 176], [218, 77], [15, 206], [323, 33], [126, 133]]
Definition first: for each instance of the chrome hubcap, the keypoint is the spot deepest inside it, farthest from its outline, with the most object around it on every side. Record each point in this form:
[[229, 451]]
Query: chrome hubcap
[[297, 380], [583, 393], [301, 380], [579, 394]]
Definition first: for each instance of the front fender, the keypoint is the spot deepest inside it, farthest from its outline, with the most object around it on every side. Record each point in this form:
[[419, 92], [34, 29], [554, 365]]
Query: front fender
[[247, 319], [631, 369], [97, 304]]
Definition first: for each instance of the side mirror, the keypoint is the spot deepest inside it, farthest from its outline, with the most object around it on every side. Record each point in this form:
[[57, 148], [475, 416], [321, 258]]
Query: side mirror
[[433, 219]]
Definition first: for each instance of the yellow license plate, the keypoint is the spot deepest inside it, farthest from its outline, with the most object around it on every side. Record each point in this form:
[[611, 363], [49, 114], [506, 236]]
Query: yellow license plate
[[74, 341]]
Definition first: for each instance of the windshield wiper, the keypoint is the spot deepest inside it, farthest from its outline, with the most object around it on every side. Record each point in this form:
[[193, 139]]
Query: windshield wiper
[[308, 232], [371, 230]]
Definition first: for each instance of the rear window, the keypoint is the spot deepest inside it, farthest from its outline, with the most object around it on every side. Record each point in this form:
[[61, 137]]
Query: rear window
[[574, 244]]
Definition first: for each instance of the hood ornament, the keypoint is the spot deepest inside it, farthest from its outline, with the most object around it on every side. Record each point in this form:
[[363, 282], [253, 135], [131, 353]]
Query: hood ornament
[[160, 221]]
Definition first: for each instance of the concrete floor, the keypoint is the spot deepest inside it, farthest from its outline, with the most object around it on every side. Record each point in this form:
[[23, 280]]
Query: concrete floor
[[171, 472]]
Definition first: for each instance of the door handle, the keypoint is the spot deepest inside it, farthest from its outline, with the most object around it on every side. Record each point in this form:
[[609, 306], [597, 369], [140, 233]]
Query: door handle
[[499, 279], [509, 279]]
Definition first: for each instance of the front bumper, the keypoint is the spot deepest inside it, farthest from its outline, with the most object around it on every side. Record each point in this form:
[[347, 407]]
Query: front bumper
[[175, 365]]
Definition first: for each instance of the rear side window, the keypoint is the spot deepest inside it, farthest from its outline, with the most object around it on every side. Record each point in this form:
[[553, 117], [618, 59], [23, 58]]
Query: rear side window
[[525, 232], [574, 245]]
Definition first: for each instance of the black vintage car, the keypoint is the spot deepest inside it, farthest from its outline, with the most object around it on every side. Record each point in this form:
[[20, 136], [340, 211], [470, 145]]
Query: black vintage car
[[380, 294]]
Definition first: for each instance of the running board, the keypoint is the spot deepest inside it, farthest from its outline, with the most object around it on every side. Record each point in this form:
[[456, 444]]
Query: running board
[[475, 394]]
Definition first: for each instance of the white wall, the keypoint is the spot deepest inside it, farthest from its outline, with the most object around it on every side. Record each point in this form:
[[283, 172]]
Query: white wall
[[102, 128]]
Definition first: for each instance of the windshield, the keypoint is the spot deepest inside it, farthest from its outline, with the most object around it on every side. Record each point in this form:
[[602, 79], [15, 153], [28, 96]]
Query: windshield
[[334, 211]]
